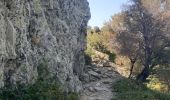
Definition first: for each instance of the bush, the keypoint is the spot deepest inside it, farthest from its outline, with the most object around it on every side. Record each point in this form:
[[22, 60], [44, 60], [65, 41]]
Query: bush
[[72, 96], [38, 91], [95, 41], [127, 89], [89, 51], [44, 88], [112, 56]]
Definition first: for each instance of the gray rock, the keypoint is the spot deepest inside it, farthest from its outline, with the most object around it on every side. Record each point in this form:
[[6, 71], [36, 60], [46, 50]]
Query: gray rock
[[101, 89], [106, 64], [98, 84], [85, 78], [91, 89], [34, 31], [93, 73]]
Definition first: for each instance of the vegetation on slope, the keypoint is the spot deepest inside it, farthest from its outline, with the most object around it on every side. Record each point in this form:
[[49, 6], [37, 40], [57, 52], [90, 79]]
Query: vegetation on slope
[[45, 88], [128, 89]]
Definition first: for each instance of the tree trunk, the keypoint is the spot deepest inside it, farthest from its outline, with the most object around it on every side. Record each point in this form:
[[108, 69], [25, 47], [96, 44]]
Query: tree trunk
[[144, 74], [131, 68], [148, 60]]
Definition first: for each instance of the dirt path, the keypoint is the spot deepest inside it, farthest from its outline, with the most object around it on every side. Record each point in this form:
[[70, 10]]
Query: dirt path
[[99, 86]]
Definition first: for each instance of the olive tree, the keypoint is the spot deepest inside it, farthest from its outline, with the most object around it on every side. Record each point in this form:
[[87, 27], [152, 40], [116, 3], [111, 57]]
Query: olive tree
[[148, 19]]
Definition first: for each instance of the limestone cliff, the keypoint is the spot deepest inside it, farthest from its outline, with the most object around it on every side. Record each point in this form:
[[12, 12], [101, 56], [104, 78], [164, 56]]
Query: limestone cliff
[[37, 31]]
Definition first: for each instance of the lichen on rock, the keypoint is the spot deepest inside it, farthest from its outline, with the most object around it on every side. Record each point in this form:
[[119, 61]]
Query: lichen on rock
[[60, 29]]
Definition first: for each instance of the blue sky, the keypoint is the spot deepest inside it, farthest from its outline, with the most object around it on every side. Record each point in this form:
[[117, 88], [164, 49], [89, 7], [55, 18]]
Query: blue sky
[[102, 10]]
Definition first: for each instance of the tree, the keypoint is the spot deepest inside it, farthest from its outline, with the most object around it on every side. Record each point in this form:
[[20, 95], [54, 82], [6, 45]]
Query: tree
[[148, 20], [127, 43], [111, 28], [96, 29], [95, 41], [130, 46]]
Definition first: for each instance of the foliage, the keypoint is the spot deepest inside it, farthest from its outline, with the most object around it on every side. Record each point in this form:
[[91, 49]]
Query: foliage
[[44, 88], [38, 91], [89, 51], [160, 80], [161, 58], [72, 96], [156, 84], [112, 56], [142, 33], [95, 41], [96, 29], [127, 89], [88, 59], [100, 41]]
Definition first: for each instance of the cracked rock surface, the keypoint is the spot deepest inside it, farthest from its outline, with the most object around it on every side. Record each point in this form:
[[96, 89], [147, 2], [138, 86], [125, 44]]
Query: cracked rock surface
[[34, 31], [98, 83]]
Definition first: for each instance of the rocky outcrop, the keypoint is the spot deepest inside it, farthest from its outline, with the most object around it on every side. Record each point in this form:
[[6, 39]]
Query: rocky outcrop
[[33, 32]]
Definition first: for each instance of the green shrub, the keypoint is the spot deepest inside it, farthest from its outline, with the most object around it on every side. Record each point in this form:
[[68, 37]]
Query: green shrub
[[128, 85], [43, 72], [43, 89], [112, 56], [89, 51], [38, 91], [72, 96], [127, 89]]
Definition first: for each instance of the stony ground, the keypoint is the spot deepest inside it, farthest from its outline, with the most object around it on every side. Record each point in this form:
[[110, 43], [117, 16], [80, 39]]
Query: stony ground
[[98, 83]]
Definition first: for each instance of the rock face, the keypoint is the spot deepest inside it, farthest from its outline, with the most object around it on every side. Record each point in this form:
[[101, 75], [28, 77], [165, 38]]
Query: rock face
[[36, 31]]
